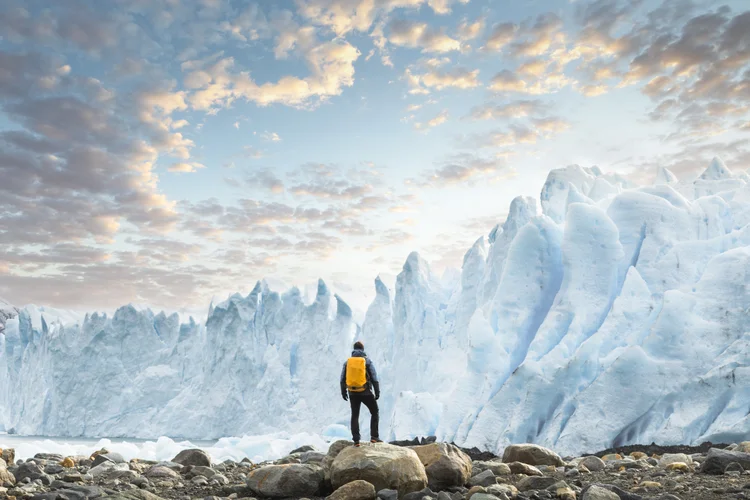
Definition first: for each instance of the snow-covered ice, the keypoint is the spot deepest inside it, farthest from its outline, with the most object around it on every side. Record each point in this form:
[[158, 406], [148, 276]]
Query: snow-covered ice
[[256, 448], [602, 314]]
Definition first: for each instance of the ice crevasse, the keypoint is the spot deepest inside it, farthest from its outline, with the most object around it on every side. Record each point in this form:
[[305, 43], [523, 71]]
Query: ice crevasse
[[601, 314]]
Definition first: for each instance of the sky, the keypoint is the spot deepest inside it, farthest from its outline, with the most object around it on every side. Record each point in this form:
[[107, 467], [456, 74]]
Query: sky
[[168, 152]]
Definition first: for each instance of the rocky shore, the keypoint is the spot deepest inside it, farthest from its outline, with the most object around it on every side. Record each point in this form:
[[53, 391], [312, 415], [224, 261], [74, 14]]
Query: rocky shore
[[428, 471]]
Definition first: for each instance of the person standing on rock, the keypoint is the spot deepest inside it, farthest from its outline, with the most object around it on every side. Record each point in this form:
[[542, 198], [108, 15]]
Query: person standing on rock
[[359, 381]]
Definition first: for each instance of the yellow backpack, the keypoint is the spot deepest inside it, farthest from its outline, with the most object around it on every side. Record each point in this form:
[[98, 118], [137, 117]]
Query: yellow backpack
[[356, 374]]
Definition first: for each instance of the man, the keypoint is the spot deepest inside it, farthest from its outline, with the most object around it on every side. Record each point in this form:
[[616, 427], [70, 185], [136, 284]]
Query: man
[[358, 381]]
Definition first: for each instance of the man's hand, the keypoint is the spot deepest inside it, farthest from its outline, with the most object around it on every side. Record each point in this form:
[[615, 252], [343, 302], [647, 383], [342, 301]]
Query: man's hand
[[345, 396], [377, 395]]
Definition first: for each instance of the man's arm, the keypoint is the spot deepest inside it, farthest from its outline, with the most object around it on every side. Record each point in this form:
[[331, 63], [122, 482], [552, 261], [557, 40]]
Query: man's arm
[[372, 376], [343, 383]]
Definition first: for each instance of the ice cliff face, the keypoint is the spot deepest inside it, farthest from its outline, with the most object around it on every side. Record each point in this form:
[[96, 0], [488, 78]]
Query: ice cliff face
[[7, 312], [606, 314]]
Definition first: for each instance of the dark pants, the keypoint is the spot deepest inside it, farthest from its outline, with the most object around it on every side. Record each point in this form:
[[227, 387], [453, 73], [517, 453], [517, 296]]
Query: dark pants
[[356, 400]]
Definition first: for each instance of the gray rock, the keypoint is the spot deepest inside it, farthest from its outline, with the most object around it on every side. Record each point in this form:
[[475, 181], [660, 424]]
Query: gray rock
[[52, 457], [6, 478], [311, 457], [502, 491], [220, 479], [531, 454], [134, 495], [670, 458], [88, 491], [382, 465], [622, 494], [303, 449], [106, 467], [717, 460], [28, 470], [419, 495], [169, 465], [598, 493], [293, 480], [337, 447], [444, 495], [199, 481], [530, 483], [53, 469], [108, 457], [200, 470], [594, 464], [193, 457], [485, 478], [522, 468], [734, 467], [445, 464], [484, 496], [120, 474], [160, 472], [388, 494], [498, 468], [356, 490]]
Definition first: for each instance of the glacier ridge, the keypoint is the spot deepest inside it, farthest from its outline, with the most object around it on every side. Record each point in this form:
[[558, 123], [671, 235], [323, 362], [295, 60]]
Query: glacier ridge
[[601, 314]]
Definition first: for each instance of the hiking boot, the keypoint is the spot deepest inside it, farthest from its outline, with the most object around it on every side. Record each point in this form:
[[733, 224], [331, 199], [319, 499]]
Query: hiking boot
[[375, 440], [356, 444]]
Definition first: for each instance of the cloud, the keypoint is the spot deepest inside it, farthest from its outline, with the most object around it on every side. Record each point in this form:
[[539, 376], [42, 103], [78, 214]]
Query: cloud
[[470, 30], [420, 35], [185, 168], [464, 169], [343, 16], [265, 179], [80, 164], [331, 65], [437, 79], [520, 133], [508, 82], [271, 137], [502, 34], [439, 119], [513, 109]]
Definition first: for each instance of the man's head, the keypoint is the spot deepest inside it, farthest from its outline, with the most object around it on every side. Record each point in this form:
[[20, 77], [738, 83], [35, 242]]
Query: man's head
[[359, 346]]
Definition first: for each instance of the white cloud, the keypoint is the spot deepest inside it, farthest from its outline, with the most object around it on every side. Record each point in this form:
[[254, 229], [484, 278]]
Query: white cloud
[[420, 35], [185, 167], [271, 137], [439, 119], [460, 78]]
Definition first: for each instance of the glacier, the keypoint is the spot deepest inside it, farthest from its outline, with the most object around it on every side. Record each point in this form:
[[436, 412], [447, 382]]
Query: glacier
[[601, 314]]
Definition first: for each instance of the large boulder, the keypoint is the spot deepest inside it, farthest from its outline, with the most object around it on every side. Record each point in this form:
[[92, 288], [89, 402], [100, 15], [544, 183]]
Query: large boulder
[[29, 470], [383, 465], [6, 478], [193, 457], [9, 455], [356, 490], [532, 454], [445, 464], [717, 460], [288, 480], [333, 451]]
